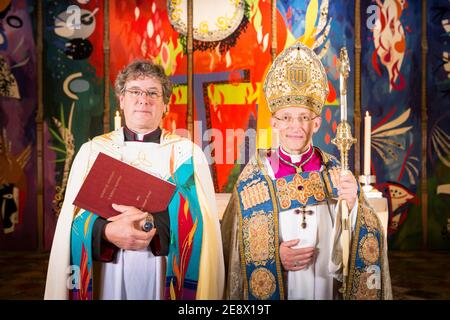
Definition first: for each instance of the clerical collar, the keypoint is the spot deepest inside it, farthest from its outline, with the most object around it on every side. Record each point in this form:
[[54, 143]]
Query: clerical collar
[[153, 136], [295, 158], [295, 161]]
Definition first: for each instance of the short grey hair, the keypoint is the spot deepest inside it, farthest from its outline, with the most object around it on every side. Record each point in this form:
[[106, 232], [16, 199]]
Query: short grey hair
[[140, 69]]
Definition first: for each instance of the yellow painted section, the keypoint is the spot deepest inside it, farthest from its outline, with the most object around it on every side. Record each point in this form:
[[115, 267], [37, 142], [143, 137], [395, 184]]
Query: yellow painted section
[[241, 93], [264, 132], [310, 23], [183, 98]]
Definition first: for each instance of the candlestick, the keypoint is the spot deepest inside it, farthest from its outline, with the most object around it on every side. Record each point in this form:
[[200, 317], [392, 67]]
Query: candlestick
[[117, 121], [367, 142]]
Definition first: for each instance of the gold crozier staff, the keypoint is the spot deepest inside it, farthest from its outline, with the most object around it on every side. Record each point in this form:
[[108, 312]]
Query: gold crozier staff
[[344, 141]]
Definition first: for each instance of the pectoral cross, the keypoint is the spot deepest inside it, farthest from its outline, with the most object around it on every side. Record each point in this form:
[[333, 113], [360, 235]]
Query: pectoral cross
[[304, 213]]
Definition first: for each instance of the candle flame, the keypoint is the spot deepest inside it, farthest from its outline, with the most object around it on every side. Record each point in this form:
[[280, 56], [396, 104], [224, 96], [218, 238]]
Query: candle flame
[[367, 113], [117, 114]]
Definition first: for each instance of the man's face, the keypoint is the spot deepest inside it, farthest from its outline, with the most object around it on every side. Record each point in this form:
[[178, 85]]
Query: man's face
[[142, 104], [296, 126]]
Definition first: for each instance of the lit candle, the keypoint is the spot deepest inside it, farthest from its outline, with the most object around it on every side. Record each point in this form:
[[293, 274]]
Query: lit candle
[[117, 121], [367, 143], [343, 94]]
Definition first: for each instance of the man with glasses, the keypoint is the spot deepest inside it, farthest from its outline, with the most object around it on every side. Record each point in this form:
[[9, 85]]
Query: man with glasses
[[128, 252], [281, 230]]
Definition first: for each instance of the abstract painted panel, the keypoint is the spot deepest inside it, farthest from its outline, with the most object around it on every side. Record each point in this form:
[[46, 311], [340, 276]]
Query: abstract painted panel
[[18, 106], [73, 93], [390, 89]]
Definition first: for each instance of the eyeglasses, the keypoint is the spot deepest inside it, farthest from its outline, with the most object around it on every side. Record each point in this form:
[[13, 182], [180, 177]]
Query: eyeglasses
[[287, 119], [135, 93]]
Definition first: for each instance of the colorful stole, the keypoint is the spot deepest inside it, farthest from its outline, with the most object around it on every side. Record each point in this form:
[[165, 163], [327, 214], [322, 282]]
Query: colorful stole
[[365, 281], [186, 228], [258, 239], [80, 274]]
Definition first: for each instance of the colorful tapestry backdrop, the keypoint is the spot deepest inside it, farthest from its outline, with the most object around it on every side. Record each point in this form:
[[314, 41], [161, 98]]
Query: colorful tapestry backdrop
[[73, 93], [391, 92], [157, 30], [229, 67], [18, 105], [438, 144]]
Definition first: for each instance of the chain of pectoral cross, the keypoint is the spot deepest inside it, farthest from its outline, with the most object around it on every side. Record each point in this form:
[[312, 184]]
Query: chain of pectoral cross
[[298, 168]]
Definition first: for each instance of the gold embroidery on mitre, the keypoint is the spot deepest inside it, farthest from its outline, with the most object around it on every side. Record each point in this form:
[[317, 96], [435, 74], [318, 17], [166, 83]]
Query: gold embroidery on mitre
[[296, 78], [262, 283], [253, 195], [257, 235]]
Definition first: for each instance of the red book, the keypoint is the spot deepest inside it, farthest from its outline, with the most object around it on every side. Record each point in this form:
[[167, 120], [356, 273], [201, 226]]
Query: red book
[[113, 181]]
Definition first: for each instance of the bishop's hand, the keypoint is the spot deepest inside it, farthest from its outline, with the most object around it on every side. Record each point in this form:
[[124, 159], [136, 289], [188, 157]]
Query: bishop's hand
[[125, 229], [347, 188], [294, 259]]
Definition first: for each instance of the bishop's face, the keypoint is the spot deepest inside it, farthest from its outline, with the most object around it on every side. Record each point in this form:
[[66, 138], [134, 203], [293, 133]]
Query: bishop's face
[[296, 127], [142, 104]]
